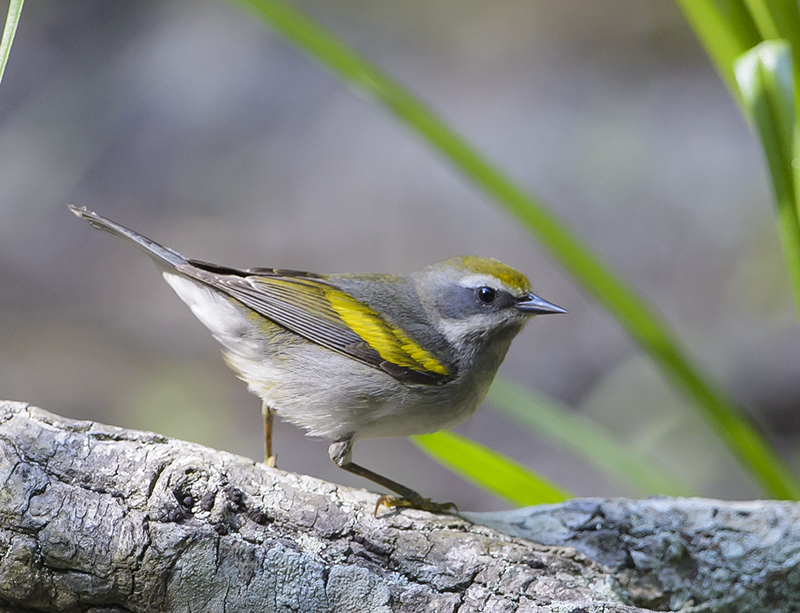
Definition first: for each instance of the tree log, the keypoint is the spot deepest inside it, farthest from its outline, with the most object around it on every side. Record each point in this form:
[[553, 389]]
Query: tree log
[[103, 519], [673, 554]]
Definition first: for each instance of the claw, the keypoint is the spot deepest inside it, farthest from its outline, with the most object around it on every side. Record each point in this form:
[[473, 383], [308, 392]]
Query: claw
[[424, 504], [271, 461]]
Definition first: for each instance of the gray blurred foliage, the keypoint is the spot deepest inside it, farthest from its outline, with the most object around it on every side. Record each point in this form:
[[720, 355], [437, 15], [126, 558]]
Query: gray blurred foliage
[[193, 124]]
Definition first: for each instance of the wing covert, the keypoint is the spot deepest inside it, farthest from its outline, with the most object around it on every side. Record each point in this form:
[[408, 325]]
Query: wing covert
[[320, 312]]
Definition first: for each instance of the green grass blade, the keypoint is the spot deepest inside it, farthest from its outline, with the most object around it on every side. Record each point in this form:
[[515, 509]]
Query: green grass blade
[[10, 29], [492, 471], [641, 320], [726, 29], [766, 80], [585, 438], [764, 17], [776, 19], [779, 19]]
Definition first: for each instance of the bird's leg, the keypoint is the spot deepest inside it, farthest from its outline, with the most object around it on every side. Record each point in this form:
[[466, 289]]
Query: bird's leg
[[341, 453], [269, 458]]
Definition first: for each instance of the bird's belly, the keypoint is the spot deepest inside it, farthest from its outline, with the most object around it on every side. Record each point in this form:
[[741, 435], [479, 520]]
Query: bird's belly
[[334, 396]]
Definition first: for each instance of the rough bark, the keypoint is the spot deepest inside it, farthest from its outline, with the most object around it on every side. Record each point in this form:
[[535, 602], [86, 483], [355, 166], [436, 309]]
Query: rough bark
[[97, 518], [673, 554]]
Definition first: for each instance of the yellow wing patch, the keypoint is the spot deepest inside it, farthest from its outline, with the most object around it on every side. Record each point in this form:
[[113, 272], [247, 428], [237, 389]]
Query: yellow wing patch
[[389, 341]]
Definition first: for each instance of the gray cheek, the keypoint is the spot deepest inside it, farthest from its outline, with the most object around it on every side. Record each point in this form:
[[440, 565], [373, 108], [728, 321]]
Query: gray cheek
[[457, 302]]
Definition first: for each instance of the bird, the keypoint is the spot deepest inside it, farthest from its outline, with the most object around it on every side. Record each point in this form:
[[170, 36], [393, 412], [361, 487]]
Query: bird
[[350, 356]]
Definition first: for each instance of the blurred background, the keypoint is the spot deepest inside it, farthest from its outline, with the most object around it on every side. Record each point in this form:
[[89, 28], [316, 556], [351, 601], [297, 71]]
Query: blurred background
[[193, 124]]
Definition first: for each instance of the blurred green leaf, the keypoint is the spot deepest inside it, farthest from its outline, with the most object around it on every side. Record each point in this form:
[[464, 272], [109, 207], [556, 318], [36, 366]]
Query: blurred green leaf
[[766, 81], [725, 28], [764, 17], [641, 319], [10, 29], [764, 77], [492, 471], [777, 19], [585, 438]]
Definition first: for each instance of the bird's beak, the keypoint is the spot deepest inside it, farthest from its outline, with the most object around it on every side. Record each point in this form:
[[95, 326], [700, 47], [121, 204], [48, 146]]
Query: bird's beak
[[533, 305]]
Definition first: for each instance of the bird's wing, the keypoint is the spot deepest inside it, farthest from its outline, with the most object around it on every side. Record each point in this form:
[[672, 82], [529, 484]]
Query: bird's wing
[[321, 312]]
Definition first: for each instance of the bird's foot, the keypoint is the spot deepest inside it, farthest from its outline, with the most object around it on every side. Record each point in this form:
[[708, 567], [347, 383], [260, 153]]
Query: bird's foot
[[424, 504], [271, 461]]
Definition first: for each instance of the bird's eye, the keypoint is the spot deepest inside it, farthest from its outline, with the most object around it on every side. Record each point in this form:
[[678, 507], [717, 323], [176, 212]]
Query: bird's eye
[[486, 295]]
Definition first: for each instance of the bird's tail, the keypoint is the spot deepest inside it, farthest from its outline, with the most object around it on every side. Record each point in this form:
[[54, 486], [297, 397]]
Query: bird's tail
[[159, 253]]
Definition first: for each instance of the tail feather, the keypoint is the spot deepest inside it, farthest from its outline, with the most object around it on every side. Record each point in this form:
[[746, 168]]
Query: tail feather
[[157, 252]]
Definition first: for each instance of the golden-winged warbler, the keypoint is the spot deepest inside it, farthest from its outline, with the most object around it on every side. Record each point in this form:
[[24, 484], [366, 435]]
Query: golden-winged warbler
[[353, 356]]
